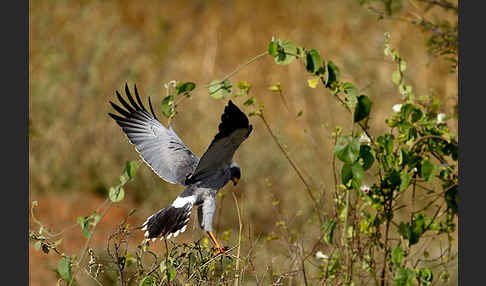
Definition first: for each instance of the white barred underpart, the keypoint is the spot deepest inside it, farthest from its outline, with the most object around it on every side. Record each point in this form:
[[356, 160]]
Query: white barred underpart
[[182, 201]]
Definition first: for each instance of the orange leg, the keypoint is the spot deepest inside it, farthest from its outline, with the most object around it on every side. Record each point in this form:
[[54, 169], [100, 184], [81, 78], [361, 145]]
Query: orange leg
[[215, 242]]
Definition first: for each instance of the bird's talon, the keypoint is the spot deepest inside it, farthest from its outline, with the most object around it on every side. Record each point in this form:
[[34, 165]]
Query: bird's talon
[[222, 251]]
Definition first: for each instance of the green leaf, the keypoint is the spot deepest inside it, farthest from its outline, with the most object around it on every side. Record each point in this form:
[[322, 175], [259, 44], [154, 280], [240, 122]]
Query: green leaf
[[251, 101], [346, 173], [347, 149], [414, 231], [328, 230], [272, 237], [286, 53], [64, 268], [366, 153], [324, 72], [444, 276], [168, 108], [387, 142], [396, 77], [426, 276], [363, 108], [96, 218], [172, 274], [123, 178], [402, 158], [405, 110], [427, 170], [272, 48], [351, 95], [358, 173], [404, 277], [130, 169], [402, 66], [397, 255], [313, 61], [394, 179], [220, 89], [116, 194], [185, 87], [417, 229], [147, 281], [405, 179], [275, 87], [84, 222], [452, 199], [244, 85], [417, 114], [350, 89], [332, 73], [404, 229]]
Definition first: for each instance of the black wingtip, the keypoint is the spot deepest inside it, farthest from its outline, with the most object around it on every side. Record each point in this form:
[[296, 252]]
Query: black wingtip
[[152, 109], [127, 90], [138, 98], [233, 118]]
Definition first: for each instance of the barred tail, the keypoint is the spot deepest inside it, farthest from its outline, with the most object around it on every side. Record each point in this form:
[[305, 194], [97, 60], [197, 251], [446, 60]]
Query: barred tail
[[169, 221]]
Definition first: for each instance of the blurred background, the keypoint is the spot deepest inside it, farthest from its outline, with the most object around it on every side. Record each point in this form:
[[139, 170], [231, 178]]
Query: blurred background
[[80, 52]]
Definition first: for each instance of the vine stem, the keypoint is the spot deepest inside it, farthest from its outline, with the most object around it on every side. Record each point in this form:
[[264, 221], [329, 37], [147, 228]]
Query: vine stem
[[255, 58], [361, 125], [428, 137], [86, 245], [292, 163], [244, 65], [387, 228], [346, 217], [345, 226]]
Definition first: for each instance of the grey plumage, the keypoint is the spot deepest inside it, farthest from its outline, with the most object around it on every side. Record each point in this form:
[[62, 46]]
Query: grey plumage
[[159, 147], [168, 156], [205, 212]]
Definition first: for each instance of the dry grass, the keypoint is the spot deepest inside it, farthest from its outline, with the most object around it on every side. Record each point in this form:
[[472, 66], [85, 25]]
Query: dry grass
[[81, 51]]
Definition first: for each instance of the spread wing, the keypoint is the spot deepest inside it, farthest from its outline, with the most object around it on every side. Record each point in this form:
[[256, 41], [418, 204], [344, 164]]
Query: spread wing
[[158, 146], [233, 130]]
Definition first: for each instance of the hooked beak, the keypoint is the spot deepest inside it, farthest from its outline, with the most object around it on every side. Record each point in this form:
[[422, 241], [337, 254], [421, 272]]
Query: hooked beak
[[235, 181]]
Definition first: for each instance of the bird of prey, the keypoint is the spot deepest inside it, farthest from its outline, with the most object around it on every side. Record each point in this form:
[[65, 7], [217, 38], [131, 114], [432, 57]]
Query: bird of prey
[[166, 154]]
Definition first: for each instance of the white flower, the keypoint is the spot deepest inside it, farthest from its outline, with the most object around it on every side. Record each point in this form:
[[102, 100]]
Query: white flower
[[365, 189], [396, 108], [172, 82], [414, 169], [320, 255], [441, 117], [364, 138]]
